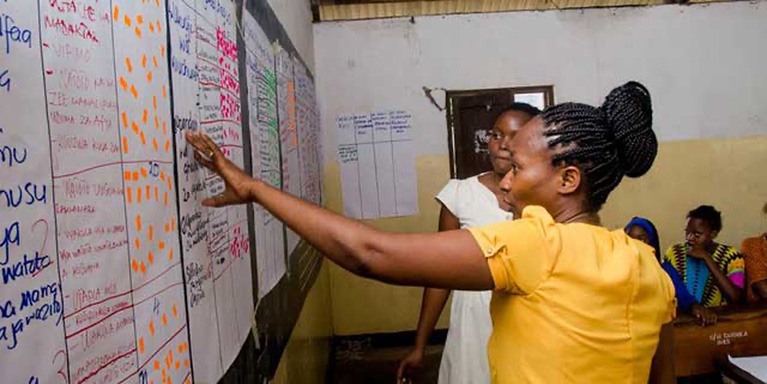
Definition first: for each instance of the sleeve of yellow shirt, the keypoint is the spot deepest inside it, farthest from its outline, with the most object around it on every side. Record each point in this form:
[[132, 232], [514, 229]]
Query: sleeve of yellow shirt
[[519, 253]]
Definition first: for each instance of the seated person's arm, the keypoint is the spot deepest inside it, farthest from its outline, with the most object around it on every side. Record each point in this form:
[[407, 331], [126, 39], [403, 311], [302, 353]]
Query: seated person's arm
[[756, 267], [731, 291]]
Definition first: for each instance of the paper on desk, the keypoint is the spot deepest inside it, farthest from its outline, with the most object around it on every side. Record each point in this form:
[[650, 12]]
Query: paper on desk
[[756, 365]]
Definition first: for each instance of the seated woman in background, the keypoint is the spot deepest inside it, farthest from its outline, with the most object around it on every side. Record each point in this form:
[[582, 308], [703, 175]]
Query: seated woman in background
[[754, 251], [644, 230], [712, 272], [573, 302], [472, 202]]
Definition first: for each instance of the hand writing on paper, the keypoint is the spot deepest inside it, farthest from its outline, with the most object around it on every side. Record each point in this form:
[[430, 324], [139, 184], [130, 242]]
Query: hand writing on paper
[[237, 182]]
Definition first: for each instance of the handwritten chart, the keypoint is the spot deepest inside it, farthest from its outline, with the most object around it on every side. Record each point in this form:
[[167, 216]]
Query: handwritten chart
[[112, 271], [377, 165], [216, 255], [265, 143], [31, 302]]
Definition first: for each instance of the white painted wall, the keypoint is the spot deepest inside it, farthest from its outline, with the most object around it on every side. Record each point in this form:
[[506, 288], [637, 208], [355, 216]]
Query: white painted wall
[[705, 65], [296, 18]]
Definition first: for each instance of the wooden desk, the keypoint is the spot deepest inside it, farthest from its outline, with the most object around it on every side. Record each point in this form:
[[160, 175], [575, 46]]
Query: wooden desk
[[739, 332]]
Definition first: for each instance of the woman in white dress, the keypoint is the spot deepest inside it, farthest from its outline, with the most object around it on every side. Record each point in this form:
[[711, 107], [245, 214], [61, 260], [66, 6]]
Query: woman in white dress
[[471, 202]]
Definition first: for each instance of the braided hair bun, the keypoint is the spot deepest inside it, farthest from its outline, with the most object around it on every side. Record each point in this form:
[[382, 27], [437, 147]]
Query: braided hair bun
[[628, 110]]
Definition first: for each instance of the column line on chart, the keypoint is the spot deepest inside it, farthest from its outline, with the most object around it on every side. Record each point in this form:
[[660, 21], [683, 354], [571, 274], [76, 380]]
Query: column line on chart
[[122, 179], [375, 165], [394, 171], [277, 103], [176, 178], [359, 176], [207, 212], [53, 193]]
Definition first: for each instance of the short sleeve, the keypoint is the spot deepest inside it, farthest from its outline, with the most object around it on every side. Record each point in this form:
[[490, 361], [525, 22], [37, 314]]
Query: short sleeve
[[449, 196], [736, 270], [519, 253], [755, 261]]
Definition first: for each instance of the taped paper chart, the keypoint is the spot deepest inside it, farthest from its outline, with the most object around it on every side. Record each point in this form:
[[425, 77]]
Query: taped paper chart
[[111, 271], [216, 248], [377, 160], [265, 154]]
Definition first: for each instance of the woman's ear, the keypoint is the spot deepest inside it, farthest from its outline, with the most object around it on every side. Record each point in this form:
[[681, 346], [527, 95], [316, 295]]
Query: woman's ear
[[570, 179]]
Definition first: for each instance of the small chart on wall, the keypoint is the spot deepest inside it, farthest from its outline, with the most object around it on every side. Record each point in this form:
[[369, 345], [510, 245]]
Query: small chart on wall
[[377, 160]]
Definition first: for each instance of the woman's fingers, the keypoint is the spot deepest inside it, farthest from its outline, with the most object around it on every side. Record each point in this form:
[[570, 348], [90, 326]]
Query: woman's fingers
[[205, 162]]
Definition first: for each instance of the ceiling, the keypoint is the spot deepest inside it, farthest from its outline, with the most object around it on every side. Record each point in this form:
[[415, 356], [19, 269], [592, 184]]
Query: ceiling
[[333, 10]]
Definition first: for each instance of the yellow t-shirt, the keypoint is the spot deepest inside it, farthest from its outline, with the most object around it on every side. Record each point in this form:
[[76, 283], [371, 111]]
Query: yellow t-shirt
[[573, 303]]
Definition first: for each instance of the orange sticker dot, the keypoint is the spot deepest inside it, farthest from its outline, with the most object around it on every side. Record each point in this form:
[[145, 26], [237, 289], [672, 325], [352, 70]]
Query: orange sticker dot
[[133, 91], [128, 65], [135, 127], [134, 265], [137, 31], [186, 363], [175, 314], [127, 21], [129, 195], [141, 344], [148, 197], [159, 29], [151, 330], [144, 116], [164, 92], [170, 255], [154, 143], [143, 61], [140, 19], [125, 145], [156, 122], [138, 223], [143, 138], [156, 193], [124, 117], [151, 232], [162, 176], [127, 175], [167, 146], [178, 365], [151, 28], [137, 243], [164, 128], [167, 227], [143, 173], [135, 176], [116, 13], [164, 319], [123, 84], [165, 200], [170, 351], [149, 77], [143, 268], [156, 363], [154, 102], [150, 257], [154, 60], [161, 246], [138, 195]]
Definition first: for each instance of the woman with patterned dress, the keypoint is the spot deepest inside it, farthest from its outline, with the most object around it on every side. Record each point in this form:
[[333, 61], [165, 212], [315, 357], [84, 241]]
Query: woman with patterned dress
[[713, 273]]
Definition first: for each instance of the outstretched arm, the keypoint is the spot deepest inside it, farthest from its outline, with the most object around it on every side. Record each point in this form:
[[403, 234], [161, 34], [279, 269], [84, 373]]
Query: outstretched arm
[[449, 259]]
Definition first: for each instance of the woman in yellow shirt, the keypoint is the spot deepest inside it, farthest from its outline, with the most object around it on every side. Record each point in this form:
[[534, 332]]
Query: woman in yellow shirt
[[573, 302]]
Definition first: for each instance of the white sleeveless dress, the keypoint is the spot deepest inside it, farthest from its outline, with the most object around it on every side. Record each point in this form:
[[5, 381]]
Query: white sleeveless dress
[[464, 359]]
